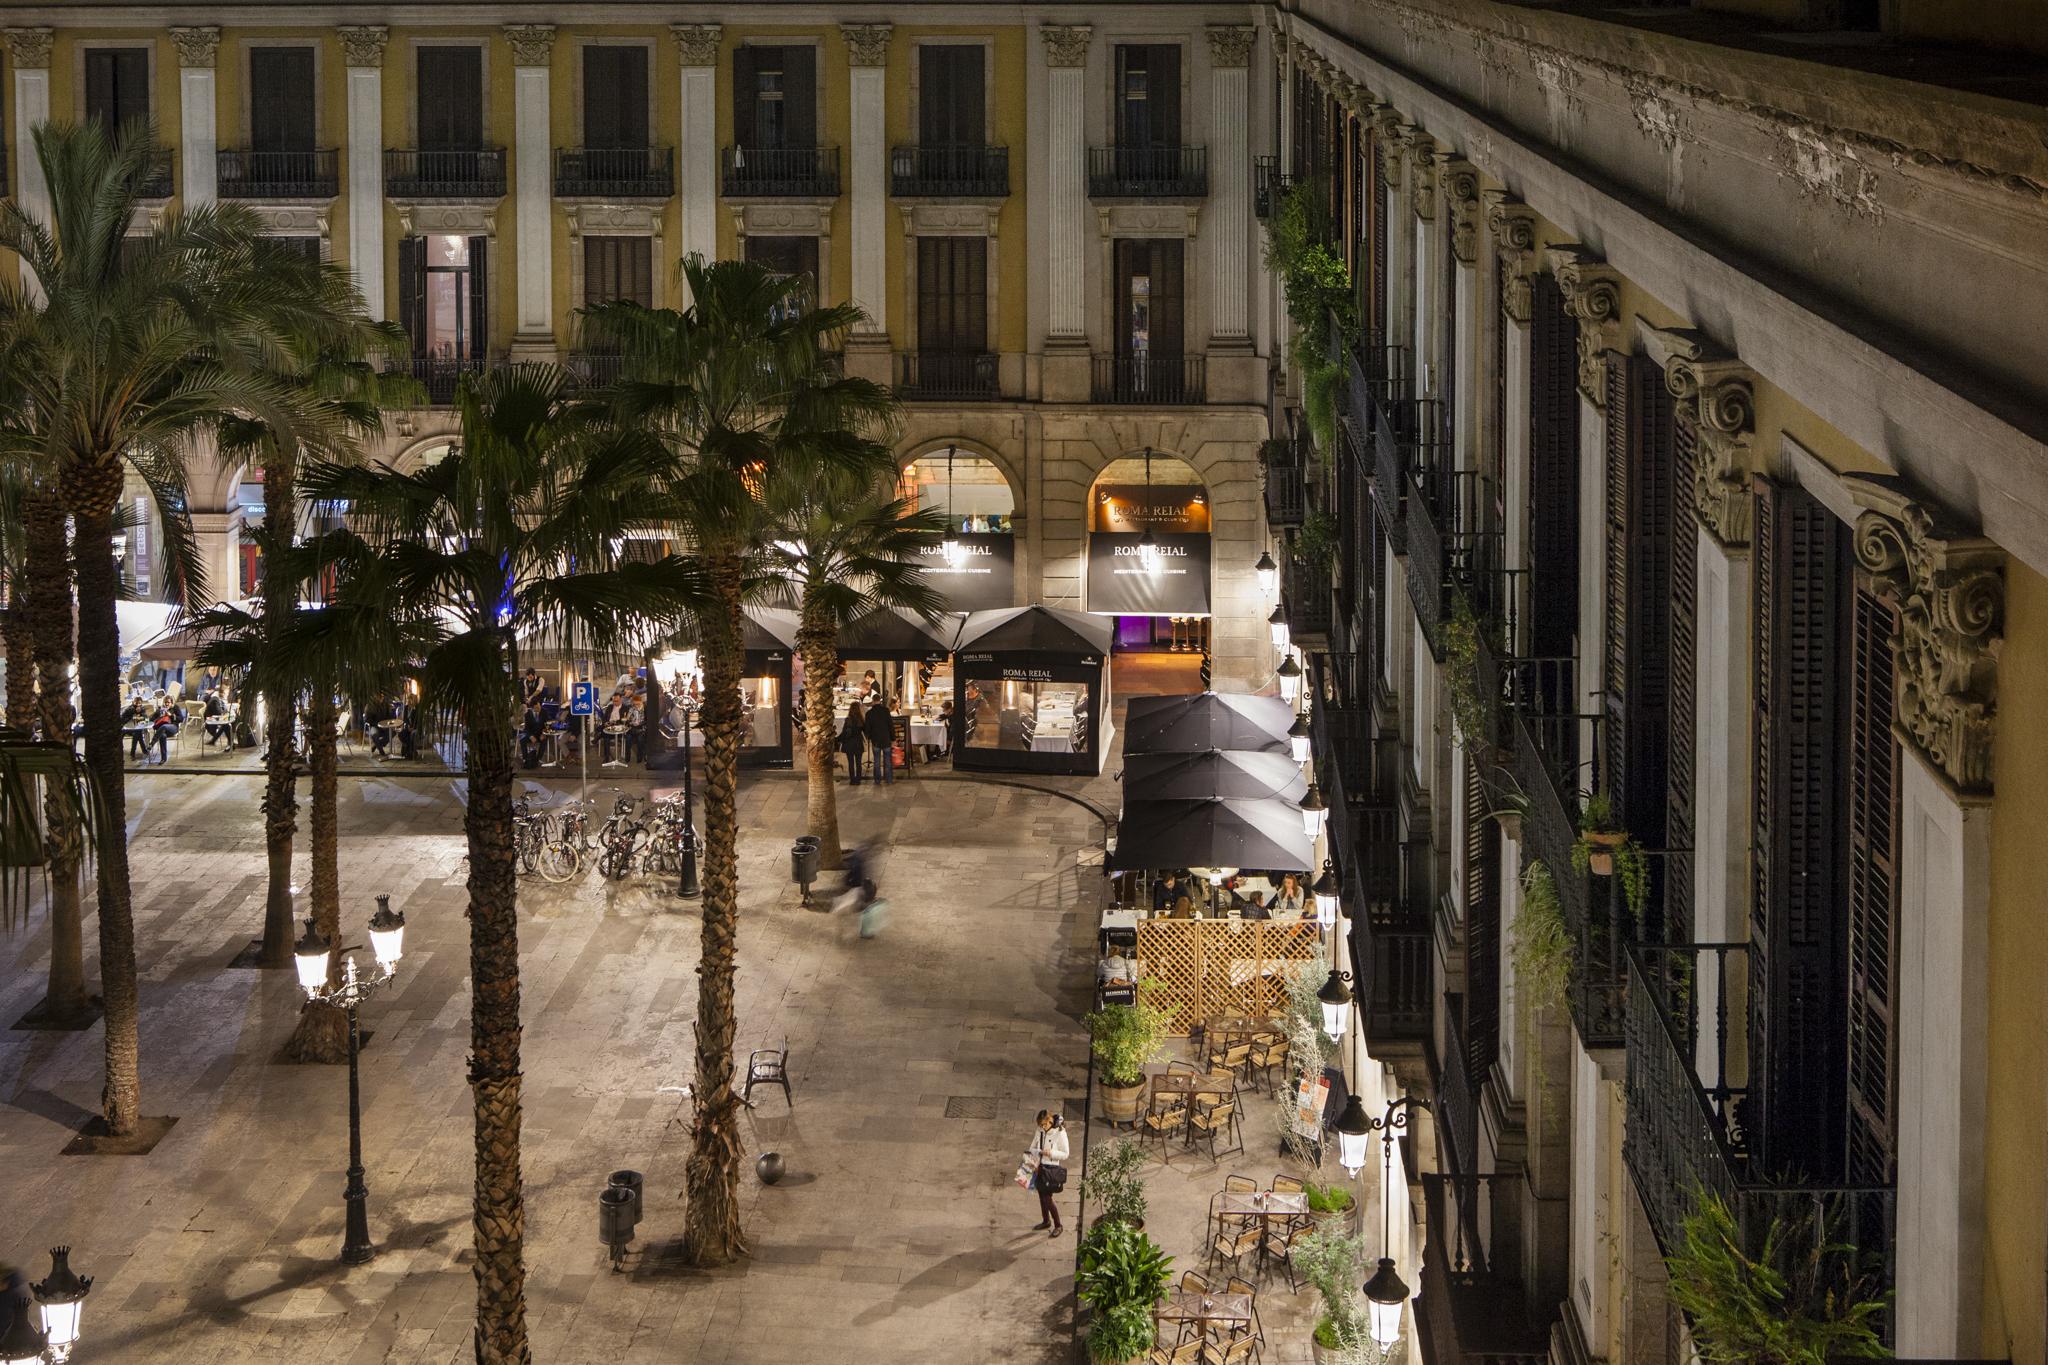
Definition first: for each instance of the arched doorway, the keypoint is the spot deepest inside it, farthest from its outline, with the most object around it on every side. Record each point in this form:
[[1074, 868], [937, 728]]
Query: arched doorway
[[1148, 567], [975, 567]]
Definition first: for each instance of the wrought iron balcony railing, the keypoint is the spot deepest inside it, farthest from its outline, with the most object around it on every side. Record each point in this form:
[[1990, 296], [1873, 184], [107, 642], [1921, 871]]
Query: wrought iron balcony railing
[[944, 172], [1306, 594], [1286, 487], [242, 174], [441, 375], [594, 369], [781, 172], [1474, 1308], [615, 172], [1151, 377], [159, 176], [947, 375], [1148, 172], [1269, 183], [422, 173], [1457, 1095]]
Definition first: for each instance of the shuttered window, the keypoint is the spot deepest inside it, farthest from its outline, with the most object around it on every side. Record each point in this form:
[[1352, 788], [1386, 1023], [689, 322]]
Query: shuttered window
[[1380, 317], [618, 268], [614, 96], [451, 96], [1873, 796], [952, 95], [1148, 95], [1681, 764], [1482, 928], [1554, 472], [281, 99], [952, 295], [775, 96], [1150, 286], [443, 294], [786, 255], [117, 85]]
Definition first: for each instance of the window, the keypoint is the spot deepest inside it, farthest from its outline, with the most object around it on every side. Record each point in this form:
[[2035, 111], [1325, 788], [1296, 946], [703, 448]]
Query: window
[[442, 296], [952, 295], [785, 255], [775, 97], [1147, 95], [281, 99], [117, 85], [307, 247], [614, 97], [1149, 292], [618, 268], [951, 96], [451, 86]]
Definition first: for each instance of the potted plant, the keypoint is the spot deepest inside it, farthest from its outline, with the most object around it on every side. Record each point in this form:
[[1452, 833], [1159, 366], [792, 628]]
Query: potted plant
[[1332, 1260], [1605, 850], [1125, 1038], [1331, 1205], [1541, 942], [1112, 1183], [1123, 1276]]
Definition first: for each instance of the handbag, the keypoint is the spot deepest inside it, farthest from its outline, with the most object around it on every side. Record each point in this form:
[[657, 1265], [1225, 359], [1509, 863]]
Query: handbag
[[1052, 1179]]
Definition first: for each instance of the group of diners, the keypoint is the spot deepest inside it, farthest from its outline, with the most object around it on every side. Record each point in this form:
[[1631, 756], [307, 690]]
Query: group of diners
[[1179, 894], [549, 735]]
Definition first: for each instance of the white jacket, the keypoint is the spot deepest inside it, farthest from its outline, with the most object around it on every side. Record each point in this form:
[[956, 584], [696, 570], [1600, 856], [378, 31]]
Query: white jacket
[[1050, 1145]]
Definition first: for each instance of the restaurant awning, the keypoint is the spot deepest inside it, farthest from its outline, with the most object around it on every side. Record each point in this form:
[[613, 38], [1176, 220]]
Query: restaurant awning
[[1264, 834], [768, 628], [1227, 774], [1036, 630], [890, 633], [1193, 722]]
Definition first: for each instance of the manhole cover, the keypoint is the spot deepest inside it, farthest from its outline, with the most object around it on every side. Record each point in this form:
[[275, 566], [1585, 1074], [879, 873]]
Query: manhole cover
[[970, 1107]]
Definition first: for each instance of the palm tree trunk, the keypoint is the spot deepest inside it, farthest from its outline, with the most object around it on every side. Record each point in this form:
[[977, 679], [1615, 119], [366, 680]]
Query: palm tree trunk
[[500, 1214], [280, 783], [817, 640], [99, 685], [322, 1032], [711, 1222], [19, 639], [47, 605]]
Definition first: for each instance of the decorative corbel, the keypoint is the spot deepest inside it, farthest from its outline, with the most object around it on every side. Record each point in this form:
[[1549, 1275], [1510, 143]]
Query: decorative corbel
[[1459, 182], [1716, 396], [1422, 155], [1949, 588], [1512, 225], [1592, 295], [1387, 135]]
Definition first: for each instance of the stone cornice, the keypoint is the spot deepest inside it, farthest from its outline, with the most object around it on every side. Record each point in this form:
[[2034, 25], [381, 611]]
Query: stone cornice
[[1065, 44], [29, 48], [1512, 225], [1949, 588], [532, 44], [698, 44], [1716, 396], [1230, 45], [1592, 295], [866, 44], [1459, 182], [197, 47]]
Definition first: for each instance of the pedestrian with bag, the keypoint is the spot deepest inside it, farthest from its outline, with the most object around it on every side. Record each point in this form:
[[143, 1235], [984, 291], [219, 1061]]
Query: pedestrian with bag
[[852, 739], [880, 728], [1048, 1158]]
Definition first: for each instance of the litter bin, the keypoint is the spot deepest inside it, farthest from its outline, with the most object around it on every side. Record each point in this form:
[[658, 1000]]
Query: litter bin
[[803, 863], [633, 1183], [615, 1221]]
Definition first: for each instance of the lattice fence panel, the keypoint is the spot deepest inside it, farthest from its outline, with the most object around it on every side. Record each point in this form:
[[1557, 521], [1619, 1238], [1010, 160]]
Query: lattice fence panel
[[1171, 952], [1218, 967]]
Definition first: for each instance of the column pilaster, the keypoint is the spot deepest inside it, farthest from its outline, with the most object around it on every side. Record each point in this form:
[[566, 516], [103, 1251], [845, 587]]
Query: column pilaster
[[533, 47], [28, 51], [198, 120], [362, 49], [1066, 371], [1230, 210], [867, 55], [699, 47]]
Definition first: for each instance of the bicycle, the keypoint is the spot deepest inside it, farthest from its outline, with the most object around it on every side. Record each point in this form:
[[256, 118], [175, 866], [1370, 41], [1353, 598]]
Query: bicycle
[[561, 857], [620, 849], [529, 835]]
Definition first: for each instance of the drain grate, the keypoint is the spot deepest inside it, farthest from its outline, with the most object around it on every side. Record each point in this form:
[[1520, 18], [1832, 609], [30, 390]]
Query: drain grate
[[970, 1106]]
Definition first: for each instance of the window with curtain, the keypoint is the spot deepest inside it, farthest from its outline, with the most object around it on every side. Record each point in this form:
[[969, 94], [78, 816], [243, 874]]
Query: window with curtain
[[618, 268]]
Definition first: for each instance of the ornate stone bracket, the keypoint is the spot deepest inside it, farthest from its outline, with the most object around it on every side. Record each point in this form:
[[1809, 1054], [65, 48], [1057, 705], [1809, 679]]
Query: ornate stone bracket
[[197, 47], [1512, 224], [1231, 45], [363, 44], [866, 44], [1949, 587], [1065, 44], [1386, 131], [1422, 186], [532, 44], [1459, 180], [30, 48], [697, 44], [1592, 295], [1716, 395]]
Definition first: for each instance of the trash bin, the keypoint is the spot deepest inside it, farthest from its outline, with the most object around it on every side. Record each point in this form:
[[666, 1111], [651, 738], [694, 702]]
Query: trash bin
[[803, 860], [632, 1182], [615, 1220]]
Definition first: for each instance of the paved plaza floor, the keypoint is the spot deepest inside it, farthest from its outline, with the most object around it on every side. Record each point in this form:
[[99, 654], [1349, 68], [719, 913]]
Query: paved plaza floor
[[918, 1060]]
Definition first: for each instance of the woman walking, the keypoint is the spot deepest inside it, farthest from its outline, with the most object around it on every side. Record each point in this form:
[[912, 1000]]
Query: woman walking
[[852, 739], [1049, 1153]]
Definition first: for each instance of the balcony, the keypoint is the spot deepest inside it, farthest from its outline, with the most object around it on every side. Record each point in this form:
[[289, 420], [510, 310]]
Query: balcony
[[1286, 487], [949, 172], [441, 375], [1457, 1096], [1148, 172], [593, 369], [1150, 377], [1307, 596], [158, 179], [1688, 1087], [1392, 425], [615, 172], [1269, 183], [949, 376], [1474, 1307], [415, 173], [780, 172], [278, 175]]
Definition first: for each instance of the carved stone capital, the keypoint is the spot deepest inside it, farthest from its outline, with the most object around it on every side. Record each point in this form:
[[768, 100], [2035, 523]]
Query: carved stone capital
[[532, 44], [1716, 396], [866, 44], [1592, 295], [1065, 44], [697, 44], [1949, 588], [1512, 225], [1421, 150], [197, 47], [1230, 45], [1458, 182], [363, 44], [29, 48]]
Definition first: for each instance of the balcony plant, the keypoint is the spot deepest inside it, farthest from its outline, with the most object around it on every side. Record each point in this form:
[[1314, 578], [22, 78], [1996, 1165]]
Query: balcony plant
[[1112, 1182], [1122, 1277], [1315, 544], [1125, 1038], [1604, 849], [1793, 1295], [1540, 942], [1471, 707]]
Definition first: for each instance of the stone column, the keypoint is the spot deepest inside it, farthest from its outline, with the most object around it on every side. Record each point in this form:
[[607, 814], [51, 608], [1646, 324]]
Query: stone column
[[1950, 589], [28, 50], [1230, 187], [533, 209], [1458, 193], [1423, 269], [1389, 137], [867, 54], [362, 48], [198, 131], [699, 47], [1065, 377], [1512, 226]]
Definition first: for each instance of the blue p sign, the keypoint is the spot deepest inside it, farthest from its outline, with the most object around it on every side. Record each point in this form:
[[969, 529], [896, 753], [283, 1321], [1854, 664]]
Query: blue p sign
[[583, 699]]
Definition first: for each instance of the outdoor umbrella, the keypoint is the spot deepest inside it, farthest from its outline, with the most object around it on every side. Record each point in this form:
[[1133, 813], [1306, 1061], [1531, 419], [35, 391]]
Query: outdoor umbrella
[[890, 633], [1206, 720], [1214, 773], [1264, 834]]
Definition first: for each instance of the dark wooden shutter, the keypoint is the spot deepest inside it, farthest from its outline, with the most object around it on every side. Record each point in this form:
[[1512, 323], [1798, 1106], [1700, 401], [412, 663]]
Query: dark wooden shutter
[[1379, 314], [952, 96], [1873, 796], [600, 96], [1797, 953], [618, 268], [1681, 762], [952, 295], [800, 94], [1162, 94], [117, 86], [1482, 929], [412, 291], [451, 99], [743, 92], [1554, 472], [281, 99], [479, 299], [1169, 292]]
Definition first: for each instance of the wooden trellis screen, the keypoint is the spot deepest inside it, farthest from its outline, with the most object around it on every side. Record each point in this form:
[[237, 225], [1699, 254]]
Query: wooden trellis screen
[[1223, 966]]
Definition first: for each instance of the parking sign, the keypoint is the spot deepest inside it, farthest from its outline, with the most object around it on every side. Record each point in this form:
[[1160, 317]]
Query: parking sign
[[583, 699]]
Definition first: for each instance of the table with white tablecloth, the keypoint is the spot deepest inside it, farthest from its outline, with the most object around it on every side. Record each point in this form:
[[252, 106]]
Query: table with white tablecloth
[[1047, 740], [929, 732]]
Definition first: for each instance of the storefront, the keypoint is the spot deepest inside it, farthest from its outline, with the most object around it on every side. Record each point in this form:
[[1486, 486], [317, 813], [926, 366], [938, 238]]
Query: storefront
[[1148, 556], [975, 566], [768, 686], [1031, 690], [908, 658]]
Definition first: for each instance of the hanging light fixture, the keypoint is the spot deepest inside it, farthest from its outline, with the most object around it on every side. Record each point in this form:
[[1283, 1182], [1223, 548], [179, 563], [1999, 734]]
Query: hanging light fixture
[[1268, 572], [1299, 740], [1278, 622], [950, 546], [1289, 674], [1327, 891], [1354, 1136], [1386, 1294], [1335, 997], [1314, 814]]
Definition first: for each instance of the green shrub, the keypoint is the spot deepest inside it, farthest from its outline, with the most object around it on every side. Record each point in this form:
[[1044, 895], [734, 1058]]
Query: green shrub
[[1330, 1198], [1126, 1037], [1112, 1181], [1541, 946], [1123, 1276]]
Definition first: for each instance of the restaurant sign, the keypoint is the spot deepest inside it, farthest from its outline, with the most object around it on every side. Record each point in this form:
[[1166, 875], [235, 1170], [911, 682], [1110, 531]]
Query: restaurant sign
[[982, 576], [1172, 581], [1159, 508]]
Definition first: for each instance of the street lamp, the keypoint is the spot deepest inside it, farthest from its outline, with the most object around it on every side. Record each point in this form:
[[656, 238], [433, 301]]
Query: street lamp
[[1386, 1293], [1268, 572], [387, 939], [1277, 622], [1314, 814], [1326, 891], [1289, 674], [1336, 1001], [23, 1343], [62, 1296], [1298, 739]]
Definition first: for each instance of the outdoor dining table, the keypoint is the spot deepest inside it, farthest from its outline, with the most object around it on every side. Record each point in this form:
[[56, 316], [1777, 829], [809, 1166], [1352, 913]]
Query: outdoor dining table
[[1204, 1307], [1237, 1027], [1267, 1206]]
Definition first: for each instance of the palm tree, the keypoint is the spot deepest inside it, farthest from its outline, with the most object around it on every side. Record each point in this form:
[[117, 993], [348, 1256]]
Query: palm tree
[[839, 548], [16, 634], [516, 532], [742, 381], [126, 350]]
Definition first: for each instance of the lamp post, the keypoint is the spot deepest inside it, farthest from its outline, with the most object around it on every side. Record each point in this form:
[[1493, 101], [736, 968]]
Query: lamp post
[[1299, 740], [1289, 674], [387, 939], [1277, 624], [1335, 997], [1386, 1293], [1268, 573], [1326, 890], [1314, 814], [62, 1296]]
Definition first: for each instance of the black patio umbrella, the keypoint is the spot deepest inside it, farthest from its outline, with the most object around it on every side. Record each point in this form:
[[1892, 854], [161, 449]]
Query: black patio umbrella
[[1234, 774], [1263, 834], [1206, 720]]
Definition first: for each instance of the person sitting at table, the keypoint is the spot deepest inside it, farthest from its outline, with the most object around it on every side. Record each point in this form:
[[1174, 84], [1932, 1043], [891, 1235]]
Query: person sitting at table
[[1183, 907], [375, 714], [613, 713], [163, 724], [406, 714], [1290, 896], [1255, 907], [135, 720], [1164, 892], [214, 711], [870, 688], [532, 734]]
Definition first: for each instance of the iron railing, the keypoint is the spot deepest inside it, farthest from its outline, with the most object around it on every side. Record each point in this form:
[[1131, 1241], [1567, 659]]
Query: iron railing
[[1269, 183], [1148, 172], [1473, 1308], [1306, 594], [1286, 488], [594, 369], [781, 172], [621, 172], [1151, 377], [240, 174], [1457, 1097], [950, 172], [420, 173], [158, 178], [954, 376], [440, 375]]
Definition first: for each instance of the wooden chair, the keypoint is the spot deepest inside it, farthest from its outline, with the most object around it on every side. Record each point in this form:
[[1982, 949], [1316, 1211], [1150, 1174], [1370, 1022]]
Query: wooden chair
[[1233, 1244], [1280, 1244], [1287, 1184], [1257, 1330], [1235, 1060], [1162, 1122], [1187, 1353], [1194, 1282], [1240, 1184], [1236, 1352], [1269, 1054], [768, 1066], [1222, 1118]]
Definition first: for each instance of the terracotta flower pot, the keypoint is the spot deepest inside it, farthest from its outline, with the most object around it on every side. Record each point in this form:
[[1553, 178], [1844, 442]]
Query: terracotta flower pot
[[1600, 851]]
